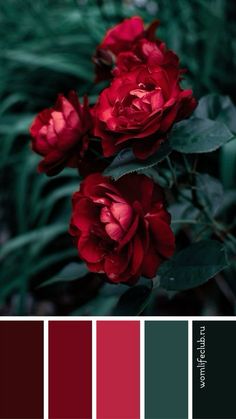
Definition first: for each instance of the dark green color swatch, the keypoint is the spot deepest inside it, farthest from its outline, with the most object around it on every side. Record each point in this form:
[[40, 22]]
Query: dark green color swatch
[[166, 370], [214, 369]]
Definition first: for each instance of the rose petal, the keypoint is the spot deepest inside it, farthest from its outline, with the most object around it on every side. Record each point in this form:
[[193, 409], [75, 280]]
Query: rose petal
[[123, 213], [151, 262], [116, 264], [138, 255], [89, 248], [86, 215], [163, 236], [114, 231]]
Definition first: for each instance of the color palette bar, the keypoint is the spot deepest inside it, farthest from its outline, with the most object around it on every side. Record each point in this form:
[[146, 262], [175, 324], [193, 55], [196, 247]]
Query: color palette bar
[[214, 369], [166, 369], [70, 369], [117, 369], [21, 369]]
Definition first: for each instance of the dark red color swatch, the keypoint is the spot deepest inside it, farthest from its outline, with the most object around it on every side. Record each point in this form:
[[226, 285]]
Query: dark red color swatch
[[21, 369], [118, 370], [70, 369]]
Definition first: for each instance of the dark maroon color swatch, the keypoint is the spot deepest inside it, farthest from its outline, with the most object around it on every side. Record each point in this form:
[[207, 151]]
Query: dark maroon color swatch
[[21, 369], [70, 369]]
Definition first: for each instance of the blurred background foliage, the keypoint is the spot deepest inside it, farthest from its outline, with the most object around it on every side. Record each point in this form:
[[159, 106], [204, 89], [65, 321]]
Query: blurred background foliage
[[46, 48]]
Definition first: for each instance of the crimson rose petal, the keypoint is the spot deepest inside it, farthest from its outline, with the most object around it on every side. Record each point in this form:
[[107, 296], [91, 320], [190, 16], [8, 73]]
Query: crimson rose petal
[[119, 39], [61, 134], [121, 228], [139, 108]]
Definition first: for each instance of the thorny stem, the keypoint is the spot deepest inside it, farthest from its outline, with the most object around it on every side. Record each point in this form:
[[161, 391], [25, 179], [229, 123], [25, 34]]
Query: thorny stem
[[171, 167], [218, 228], [194, 168], [186, 163]]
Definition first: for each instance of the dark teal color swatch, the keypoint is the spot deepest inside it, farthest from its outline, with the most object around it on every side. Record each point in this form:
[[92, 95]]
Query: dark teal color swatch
[[166, 370]]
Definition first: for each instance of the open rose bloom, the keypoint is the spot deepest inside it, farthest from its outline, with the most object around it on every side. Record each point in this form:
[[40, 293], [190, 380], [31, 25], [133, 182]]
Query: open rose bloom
[[145, 98], [60, 134], [121, 228], [139, 108], [117, 40]]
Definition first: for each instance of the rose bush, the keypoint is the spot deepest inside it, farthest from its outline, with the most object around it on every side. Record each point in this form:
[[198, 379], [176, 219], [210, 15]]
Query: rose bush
[[61, 134], [139, 108], [121, 228], [119, 222]]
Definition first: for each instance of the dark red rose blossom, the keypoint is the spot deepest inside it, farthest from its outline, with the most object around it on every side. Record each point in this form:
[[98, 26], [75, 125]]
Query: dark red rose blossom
[[121, 228], [119, 39], [140, 107], [122, 36], [150, 53], [60, 134]]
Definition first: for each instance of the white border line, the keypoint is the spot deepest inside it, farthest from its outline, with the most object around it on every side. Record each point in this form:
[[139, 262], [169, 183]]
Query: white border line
[[45, 370], [94, 369], [142, 368], [190, 369], [109, 318]]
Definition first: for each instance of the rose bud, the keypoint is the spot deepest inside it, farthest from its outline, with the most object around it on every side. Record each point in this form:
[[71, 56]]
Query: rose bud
[[121, 228], [61, 134], [119, 39], [139, 108]]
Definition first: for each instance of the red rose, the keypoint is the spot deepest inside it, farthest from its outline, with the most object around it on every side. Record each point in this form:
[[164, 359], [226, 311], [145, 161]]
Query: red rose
[[118, 39], [150, 53], [121, 228], [60, 134], [122, 36], [139, 108]]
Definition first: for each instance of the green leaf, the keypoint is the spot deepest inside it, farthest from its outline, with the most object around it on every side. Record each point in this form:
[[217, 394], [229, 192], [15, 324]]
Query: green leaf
[[159, 175], [133, 301], [209, 192], [99, 306], [221, 108], [193, 266], [125, 162], [228, 164], [228, 201], [42, 235], [182, 213], [71, 272], [15, 125], [217, 107], [53, 259], [53, 62], [197, 135]]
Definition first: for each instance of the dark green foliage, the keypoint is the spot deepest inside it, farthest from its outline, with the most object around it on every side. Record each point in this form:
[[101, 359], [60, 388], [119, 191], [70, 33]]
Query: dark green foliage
[[193, 266], [199, 136], [125, 162]]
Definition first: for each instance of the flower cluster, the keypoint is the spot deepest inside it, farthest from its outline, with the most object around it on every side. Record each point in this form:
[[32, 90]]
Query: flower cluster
[[121, 228]]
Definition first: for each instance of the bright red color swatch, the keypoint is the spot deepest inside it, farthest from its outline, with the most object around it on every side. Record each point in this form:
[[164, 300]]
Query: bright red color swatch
[[21, 369], [70, 369], [118, 370]]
